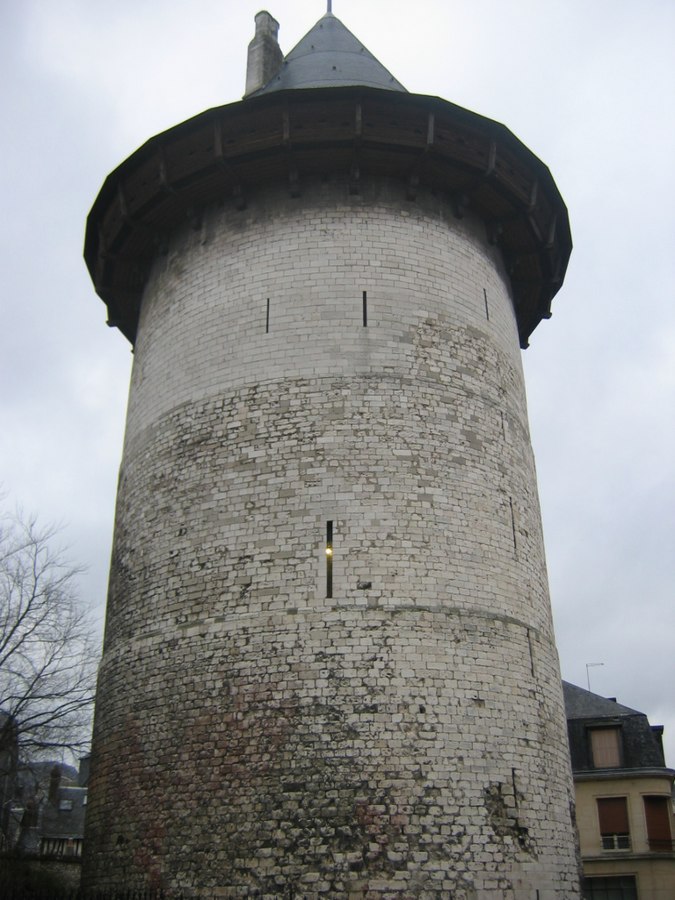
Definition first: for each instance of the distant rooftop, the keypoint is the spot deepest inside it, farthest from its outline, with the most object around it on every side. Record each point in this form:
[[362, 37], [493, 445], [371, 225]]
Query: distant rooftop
[[582, 704], [638, 746], [329, 55]]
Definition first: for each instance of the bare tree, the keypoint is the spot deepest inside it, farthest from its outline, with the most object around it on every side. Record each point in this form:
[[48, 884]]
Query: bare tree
[[47, 656]]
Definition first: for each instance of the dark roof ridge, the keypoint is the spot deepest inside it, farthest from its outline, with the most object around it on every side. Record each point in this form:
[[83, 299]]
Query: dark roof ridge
[[583, 704]]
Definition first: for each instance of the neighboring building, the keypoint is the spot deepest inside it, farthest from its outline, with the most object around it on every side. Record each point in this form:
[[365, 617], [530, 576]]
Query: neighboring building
[[329, 666], [62, 818], [624, 799], [46, 831], [9, 756], [48, 809]]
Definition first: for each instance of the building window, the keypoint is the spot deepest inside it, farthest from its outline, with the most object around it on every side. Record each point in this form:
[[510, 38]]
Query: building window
[[613, 819], [621, 887], [658, 824], [606, 748]]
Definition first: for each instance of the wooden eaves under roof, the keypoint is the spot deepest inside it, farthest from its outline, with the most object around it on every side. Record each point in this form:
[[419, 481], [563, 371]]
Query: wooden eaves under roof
[[226, 153]]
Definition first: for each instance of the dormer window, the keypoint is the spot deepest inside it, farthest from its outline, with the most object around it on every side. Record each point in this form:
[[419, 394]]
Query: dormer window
[[606, 748]]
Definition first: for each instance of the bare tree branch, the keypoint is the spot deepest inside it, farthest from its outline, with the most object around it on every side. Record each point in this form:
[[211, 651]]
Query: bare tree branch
[[48, 658]]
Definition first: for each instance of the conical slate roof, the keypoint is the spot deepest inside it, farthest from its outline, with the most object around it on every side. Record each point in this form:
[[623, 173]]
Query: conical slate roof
[[330, 56]]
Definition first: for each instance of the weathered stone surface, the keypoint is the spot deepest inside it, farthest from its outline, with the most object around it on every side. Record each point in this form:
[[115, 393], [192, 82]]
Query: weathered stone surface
[[255, 737]]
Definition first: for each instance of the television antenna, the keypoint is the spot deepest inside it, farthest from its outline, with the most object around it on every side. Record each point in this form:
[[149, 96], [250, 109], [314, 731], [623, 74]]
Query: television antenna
[[588, 677]]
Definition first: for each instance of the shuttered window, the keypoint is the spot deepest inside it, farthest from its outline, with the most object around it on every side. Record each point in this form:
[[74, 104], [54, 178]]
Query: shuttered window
[[658, 824], [606, 748], [613, 819]]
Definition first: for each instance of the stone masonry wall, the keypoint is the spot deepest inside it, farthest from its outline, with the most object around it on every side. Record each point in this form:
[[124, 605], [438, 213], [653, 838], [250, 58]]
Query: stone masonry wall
[[404, 736]]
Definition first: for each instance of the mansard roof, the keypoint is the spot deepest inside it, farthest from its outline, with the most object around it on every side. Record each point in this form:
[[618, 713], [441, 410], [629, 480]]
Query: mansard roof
[[641, 746], [582, 704], [329, 55]]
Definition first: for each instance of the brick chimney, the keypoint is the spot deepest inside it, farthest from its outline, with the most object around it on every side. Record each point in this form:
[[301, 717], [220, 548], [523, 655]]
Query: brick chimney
[[264, 53]]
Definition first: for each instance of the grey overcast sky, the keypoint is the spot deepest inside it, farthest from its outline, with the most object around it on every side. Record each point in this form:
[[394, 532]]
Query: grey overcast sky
[[588, 85]]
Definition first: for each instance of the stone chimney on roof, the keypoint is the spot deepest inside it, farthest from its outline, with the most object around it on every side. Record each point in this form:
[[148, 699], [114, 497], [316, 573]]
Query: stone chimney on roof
[[83, 771], [54, 785], [264, 53]]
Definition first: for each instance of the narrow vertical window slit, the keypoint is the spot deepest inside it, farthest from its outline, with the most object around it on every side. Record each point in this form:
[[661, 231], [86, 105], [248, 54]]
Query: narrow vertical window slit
[[529, 644], [365, 309], [267, 317], [513, 525], [329, 560], [487, 309]]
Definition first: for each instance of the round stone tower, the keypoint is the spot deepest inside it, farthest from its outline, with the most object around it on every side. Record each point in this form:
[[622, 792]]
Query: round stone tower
[[329, 665]]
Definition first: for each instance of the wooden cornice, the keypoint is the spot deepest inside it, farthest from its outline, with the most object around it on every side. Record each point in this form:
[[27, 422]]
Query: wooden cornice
[[226, 153]]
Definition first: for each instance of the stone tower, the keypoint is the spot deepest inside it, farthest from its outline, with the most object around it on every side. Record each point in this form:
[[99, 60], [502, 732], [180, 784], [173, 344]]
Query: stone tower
[[329, 665]]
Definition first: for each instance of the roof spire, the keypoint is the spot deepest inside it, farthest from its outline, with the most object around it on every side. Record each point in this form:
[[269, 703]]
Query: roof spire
[[329, 6], [329, 55]]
